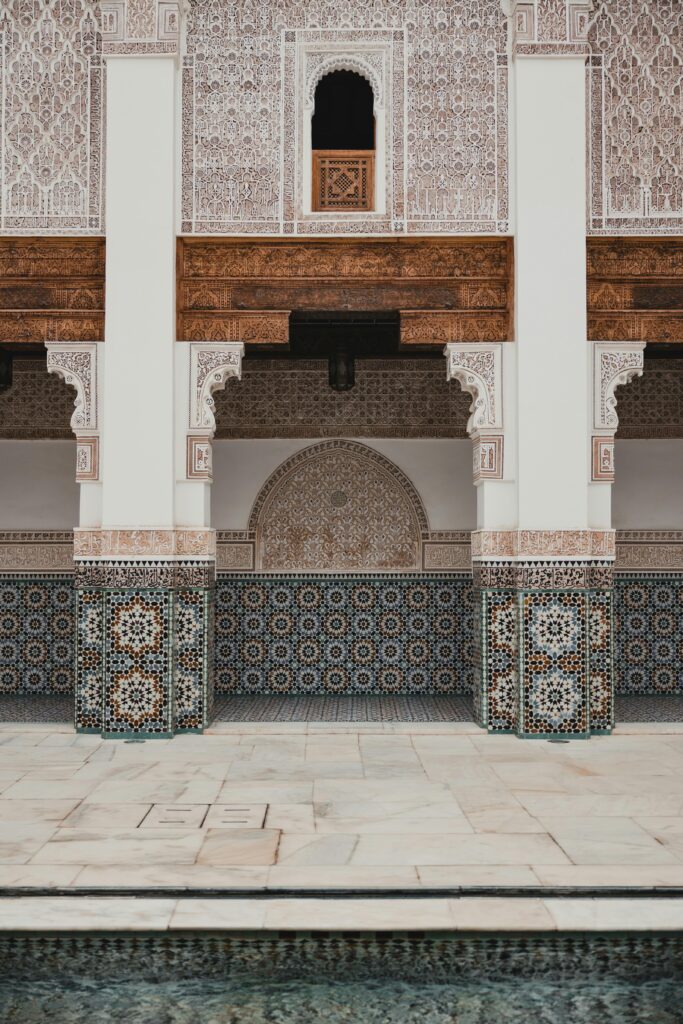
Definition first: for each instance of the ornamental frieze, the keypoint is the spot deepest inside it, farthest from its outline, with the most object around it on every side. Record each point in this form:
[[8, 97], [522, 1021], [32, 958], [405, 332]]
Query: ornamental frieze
[[447, 290], [52, 290], [635, 289]]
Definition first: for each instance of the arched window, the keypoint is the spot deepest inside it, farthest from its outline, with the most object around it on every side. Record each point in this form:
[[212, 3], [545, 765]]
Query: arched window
[[343, 143]]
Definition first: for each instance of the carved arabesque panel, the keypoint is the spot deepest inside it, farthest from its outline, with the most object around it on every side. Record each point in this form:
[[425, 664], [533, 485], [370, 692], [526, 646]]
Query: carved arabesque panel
[[239, 130], [338, 506], [635, 88], [51, 117]]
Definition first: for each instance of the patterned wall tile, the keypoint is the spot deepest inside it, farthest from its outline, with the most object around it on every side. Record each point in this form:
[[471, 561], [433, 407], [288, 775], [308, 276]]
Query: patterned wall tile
[[343, 634], [89, 655], [137, 662], [601, 661], [193, 670], [37, 626], [554, 663], [497, 702], [391, 398], [648, 610]]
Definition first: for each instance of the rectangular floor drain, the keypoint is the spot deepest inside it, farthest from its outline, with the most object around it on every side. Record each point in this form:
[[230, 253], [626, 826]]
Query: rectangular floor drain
[[236, 816], [205, 815]]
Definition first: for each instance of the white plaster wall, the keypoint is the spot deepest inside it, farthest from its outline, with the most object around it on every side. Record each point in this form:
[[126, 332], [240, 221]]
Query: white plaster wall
[[440, 470], [648, 486], [38, 489]]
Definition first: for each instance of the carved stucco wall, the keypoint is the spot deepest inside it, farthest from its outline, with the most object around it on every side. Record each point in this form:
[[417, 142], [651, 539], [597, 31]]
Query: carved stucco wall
[[636, 109], [443, 72], [338, 506], [51, 117], [243, 91], [392, 398]]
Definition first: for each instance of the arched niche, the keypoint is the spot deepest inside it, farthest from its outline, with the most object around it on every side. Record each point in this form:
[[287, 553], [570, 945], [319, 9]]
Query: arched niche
[[344, 130], [338, 506]]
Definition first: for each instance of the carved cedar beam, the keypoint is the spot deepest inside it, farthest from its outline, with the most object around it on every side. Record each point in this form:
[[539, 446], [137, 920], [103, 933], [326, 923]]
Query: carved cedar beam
[[31, 327], [253, 328], [452, 289], [52, 289], [635, 289], [436, 327], [335, 258], [358, 295]]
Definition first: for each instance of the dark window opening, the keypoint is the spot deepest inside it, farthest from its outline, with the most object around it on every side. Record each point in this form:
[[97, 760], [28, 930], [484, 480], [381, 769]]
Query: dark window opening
[[343, 141], [343, 114]]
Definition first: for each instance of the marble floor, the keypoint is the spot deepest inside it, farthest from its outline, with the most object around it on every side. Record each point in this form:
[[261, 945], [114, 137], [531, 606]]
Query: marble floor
[[333, 805]]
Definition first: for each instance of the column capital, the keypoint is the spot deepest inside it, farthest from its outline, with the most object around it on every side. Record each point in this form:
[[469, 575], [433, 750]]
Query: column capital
[[142, 28], [614, 363], [76, 363], [549, 28]]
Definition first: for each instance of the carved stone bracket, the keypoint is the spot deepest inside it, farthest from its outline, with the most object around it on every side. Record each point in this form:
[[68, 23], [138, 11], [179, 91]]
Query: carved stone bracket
[[479, 371], [614, 364], [77, 365], [211, 366]]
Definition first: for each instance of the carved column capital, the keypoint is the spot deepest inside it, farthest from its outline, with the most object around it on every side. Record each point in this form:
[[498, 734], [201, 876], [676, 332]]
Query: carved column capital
[[614, 363], [141, 28], [549, 27], [211, 366], [478, 368], [77, 365]]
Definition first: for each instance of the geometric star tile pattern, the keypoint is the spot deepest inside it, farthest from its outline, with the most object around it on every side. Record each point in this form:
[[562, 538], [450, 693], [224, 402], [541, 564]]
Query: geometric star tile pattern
[[343, 634]]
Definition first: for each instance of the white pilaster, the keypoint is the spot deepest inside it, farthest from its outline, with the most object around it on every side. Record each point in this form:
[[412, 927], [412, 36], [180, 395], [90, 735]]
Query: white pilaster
[[553, 354], [138, 443]]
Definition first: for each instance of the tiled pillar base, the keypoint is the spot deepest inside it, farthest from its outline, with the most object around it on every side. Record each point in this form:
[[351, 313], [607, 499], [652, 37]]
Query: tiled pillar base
[[144, 652], [544, 639]]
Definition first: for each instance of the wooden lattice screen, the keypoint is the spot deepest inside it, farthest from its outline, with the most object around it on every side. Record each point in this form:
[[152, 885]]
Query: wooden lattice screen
[[343, 179]]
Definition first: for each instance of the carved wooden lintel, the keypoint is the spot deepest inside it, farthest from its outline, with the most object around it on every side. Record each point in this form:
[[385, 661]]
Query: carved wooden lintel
[[439, 327], [452, 289], [635, 289], [52, 290], [250, 327]]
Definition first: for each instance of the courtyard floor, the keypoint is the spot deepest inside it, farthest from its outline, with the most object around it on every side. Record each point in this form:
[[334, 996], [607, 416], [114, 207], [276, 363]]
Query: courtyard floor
[[279, 806]]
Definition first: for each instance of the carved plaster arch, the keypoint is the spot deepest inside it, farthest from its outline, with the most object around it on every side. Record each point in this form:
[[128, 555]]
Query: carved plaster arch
[[478, 370], [76, 364], [345, 62], [615, 364], [339, 506], [211, 366]]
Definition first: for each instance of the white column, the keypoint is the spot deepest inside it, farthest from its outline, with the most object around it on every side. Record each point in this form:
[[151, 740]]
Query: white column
[[138, 441], [553, 355]]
